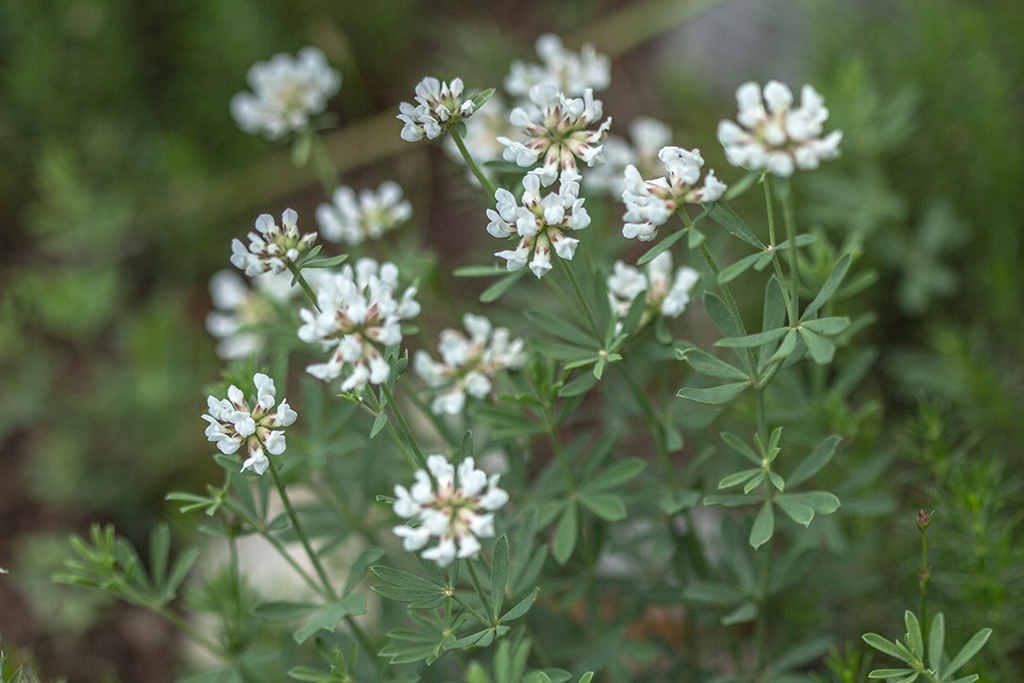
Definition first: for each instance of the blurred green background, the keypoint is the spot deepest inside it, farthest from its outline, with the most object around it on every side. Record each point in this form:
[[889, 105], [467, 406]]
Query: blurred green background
[[123, 179]]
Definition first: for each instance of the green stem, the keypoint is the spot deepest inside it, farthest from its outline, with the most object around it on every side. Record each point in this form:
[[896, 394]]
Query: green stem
[[591, 318], [924, 583], [326, 172], [465, 605], [790, 306], [477, 585], [314, 558], [236, 590], [746, 354], [787, 218], [485, 182], [404, 426], [305, 285], [761, 628], [443, 428], [375, 409], [190, 632], [653, 423], [563, 462]]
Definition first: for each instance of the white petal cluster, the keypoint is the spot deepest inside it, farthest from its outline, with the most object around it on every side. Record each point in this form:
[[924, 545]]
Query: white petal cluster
[[570, 72], [358, 317], [540, 222], [271, 247], [233, 423], [647, 137], [353, 219], [649, 203], [439, 106], [286, 92], [774, 136], [558, 132], [468, 363], [667, 293], [239, 309], [455, 506]]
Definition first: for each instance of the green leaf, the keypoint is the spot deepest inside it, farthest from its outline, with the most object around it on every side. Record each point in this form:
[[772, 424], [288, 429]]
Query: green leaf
[[827, 326], [331, 616], [730, 272], [881, 644], [822, 502], [495, 291], [785, 348], [713, 395], [560, 328], [359, 567], [283, 611], [694, 238], [499, 575], [159, 552], [712, 593], [741, 615], [473, 641], [742, 447], [480, 98], [560, 351], [378, 423], [914, 639], [969, 650], [730, 500], [800, 513], [753, 340], [936, 641], [727, 218], [326, 262], [742, 185], [565, 534], [397, 577], [305, 673], [661, 246], [830, 286], [821, 349], [581, 385], [739, 478], [479, 271], [616, 474], [818, 458], [755, 482], [635, 313], [893, 673], [675, 503], [764, 526], [720, 315], [180, 569], [709, 365], [774, 314], [521, 607], [607, 506]]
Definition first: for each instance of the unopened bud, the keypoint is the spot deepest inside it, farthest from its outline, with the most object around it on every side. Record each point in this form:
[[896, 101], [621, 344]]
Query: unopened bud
[[924, 519]]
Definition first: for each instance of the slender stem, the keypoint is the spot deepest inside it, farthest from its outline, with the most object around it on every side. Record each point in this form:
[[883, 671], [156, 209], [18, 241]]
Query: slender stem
[[465, 605], [761, 414], [302, 283], [443, 428], [476, 584], [787, 218], [376, 409], [326, 172], [761, 628], [314, 558], [236, 589], [924, 582], [653, 423], [746, 354], [563, 462], [592, 319], [190, 632], [558, 292], [486, 182], [404, 426], [790, 306]]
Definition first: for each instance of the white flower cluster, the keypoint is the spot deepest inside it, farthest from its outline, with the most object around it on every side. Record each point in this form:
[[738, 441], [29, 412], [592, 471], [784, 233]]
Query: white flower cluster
[[558, 132], [646, 137], [539, 222], [358, 317], [439, 107], [570, 72], [456, 507], [271, 247], [353, 219], [779, 139], [287, 91], [666, 294], [239, 309], [468, 364], [233, 423], [649, 203]]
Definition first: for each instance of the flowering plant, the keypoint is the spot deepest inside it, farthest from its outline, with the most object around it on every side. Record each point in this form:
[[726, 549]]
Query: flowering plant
[[628, 539]]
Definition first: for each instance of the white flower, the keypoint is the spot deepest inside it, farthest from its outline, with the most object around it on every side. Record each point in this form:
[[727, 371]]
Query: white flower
[[358, 317], [239, 310], [778, 138], [647, 137], [568, 71], [286, 92], [439, 107], [456, 506], [271, 247], [558, 132], [233, 423], [667, 295], [539, 222], [649, 203], [353, 219], [468, 363]]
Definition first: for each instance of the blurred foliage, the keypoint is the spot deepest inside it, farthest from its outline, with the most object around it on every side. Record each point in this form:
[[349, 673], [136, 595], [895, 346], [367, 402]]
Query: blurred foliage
[[122, 179]]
